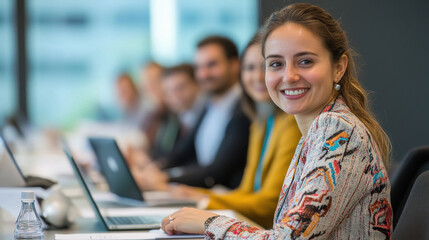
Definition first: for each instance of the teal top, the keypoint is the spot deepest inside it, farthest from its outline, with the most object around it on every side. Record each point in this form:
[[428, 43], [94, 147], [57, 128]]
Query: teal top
[[258, 174]]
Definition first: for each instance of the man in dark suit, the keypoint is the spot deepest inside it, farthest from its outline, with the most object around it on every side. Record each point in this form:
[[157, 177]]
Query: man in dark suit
[[215, 152]]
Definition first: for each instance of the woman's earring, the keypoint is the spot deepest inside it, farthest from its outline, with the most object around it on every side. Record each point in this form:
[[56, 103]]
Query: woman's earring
[[337, 87]]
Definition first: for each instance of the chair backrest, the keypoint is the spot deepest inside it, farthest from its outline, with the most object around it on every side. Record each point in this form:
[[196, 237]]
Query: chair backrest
[[415, 162], [414, 220]]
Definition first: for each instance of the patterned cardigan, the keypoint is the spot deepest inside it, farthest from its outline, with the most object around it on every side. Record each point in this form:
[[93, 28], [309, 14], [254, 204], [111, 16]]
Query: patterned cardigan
[[335, 188], [278, 155]]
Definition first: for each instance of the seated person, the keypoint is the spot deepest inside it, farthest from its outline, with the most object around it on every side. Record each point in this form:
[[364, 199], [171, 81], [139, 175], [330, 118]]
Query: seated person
[[184, 99], [274, 136], [129, 99], [150, 80], [161, 126]]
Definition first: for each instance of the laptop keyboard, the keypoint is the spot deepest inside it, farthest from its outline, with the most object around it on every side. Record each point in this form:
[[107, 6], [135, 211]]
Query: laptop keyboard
[[132, 220]]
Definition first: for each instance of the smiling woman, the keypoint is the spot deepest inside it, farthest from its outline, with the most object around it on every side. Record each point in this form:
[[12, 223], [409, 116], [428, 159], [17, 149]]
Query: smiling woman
[[336, 186], [300, 73]]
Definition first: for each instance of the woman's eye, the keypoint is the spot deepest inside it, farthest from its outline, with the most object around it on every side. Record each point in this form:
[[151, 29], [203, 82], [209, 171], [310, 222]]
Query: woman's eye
[[305, 62], [275, 64]]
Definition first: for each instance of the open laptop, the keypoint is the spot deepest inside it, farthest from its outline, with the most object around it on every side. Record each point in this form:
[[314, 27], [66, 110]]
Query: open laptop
[[116, 222], [12, 176], [119, 178]]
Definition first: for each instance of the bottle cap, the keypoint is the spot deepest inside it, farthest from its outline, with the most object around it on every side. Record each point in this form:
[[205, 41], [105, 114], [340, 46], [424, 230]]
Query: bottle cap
[[27, 196]]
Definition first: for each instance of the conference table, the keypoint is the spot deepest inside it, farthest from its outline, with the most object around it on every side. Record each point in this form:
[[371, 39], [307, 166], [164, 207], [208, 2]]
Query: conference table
[[81, 225], [86, 222], [42, 164]]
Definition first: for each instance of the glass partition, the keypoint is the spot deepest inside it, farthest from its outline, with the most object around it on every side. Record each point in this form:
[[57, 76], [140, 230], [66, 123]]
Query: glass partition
[[77, 49]]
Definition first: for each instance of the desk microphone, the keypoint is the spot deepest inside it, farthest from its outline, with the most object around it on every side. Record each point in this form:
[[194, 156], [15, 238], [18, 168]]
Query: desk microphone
[[57, 209]]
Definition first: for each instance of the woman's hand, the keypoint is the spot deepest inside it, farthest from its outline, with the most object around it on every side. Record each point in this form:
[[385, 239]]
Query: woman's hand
[[186, 220]]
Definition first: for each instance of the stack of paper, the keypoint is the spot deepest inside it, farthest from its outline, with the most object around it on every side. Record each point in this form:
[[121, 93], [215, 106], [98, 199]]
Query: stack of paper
[[154, 234]]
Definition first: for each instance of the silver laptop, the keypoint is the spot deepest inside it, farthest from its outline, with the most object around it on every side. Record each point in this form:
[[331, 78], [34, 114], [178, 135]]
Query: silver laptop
[[10, 174], [113, 222], [119, 178]]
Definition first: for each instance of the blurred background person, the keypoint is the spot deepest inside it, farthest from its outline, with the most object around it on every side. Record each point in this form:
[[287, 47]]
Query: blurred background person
[[183, 94], [274, 136], [185, 100], [150, 80], [215, 152], [129, 100], [150, 84], [160, 125]]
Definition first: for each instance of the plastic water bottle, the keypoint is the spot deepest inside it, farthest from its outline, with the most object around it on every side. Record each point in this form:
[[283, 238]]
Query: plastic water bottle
[[28, 224]]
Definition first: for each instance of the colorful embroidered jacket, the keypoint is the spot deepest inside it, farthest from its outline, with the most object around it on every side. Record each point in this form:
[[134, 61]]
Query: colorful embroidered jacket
[[278, 155], [335, 188]]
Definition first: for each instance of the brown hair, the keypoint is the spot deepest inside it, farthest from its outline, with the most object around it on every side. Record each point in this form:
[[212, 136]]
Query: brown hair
[[228, 46], [185, 68], [329, 30]]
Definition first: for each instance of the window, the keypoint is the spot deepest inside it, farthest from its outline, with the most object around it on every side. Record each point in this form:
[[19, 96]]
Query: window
[[76, 49]]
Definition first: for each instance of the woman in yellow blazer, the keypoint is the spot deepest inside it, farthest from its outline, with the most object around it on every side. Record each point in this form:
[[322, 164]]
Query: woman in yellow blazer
[[274, 136]]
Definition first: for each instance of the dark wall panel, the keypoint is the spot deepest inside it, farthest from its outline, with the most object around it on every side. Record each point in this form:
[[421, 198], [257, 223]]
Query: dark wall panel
[[392, 39]]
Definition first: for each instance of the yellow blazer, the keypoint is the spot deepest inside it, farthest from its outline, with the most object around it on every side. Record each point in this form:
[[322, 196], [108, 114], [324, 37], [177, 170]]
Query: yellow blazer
[[260, 206]]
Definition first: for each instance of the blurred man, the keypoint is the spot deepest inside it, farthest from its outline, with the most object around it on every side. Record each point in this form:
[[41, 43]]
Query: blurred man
[[215, 152], [183, 95], [185, 103]]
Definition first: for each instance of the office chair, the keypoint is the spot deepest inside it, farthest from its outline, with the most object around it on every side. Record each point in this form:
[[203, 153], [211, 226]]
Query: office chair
[[415, 162], [414, 220]]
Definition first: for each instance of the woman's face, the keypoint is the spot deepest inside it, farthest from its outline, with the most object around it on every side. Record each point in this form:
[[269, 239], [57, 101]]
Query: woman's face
[[299, 71], [252, 74]]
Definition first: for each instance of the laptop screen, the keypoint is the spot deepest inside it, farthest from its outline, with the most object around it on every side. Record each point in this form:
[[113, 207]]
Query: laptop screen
[[115, 169], [10, 173], [102, 213], [82, 180]]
